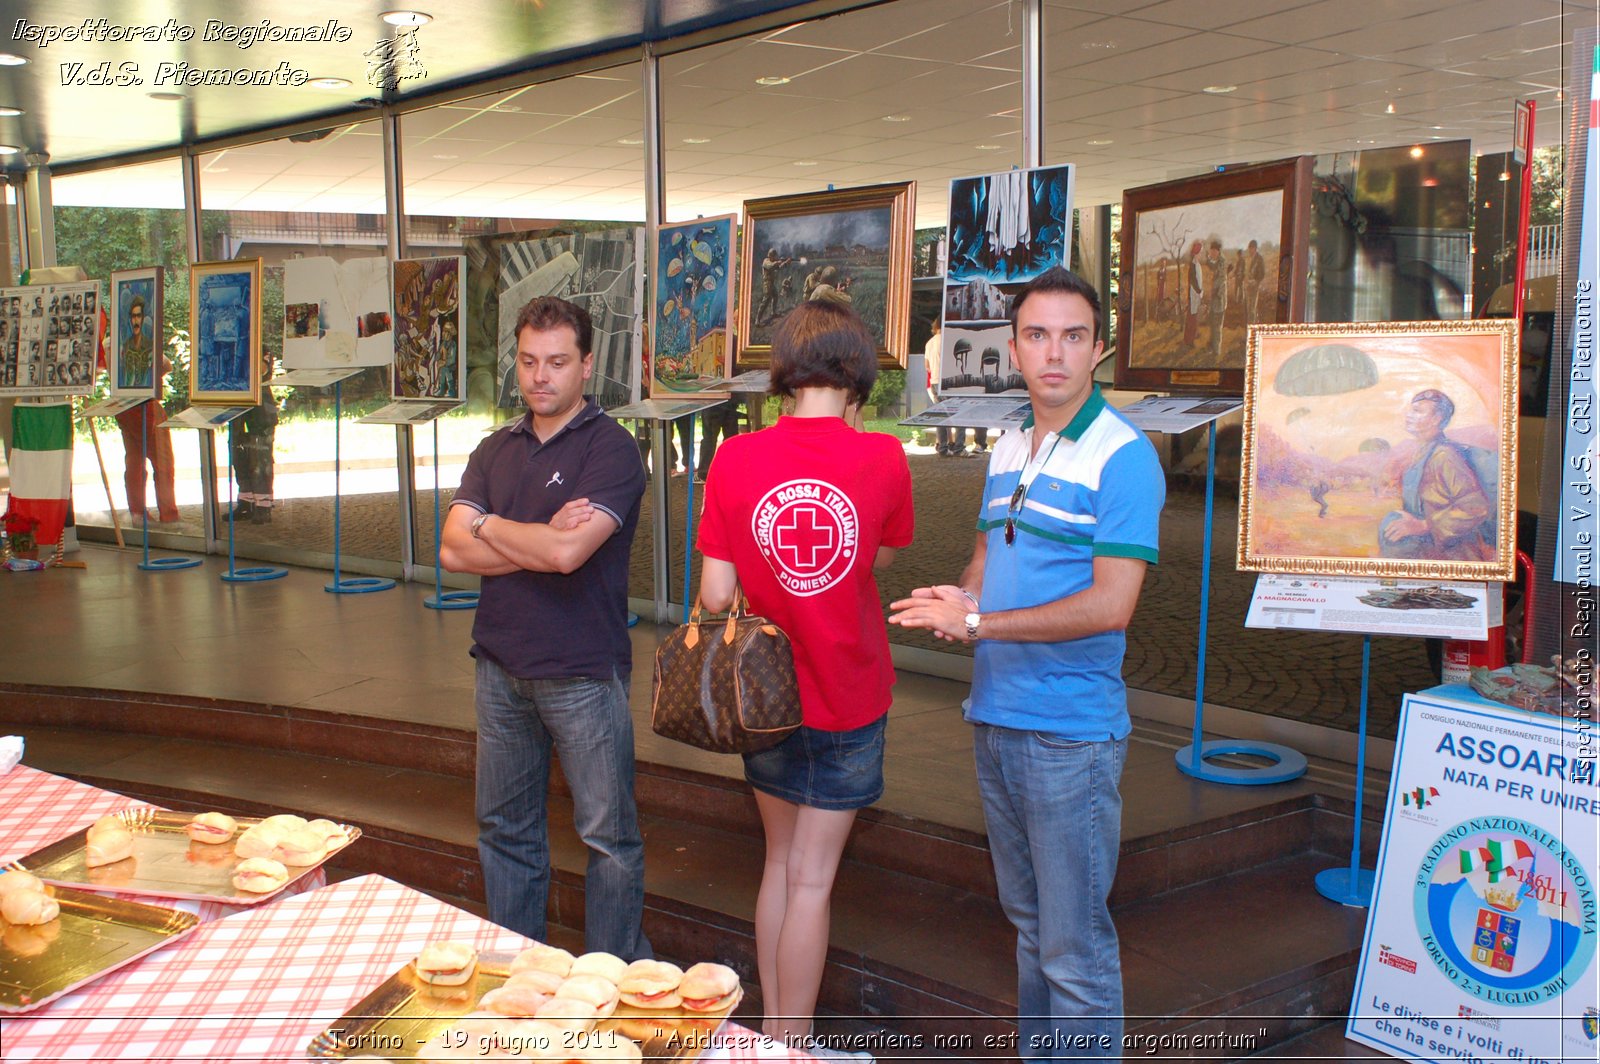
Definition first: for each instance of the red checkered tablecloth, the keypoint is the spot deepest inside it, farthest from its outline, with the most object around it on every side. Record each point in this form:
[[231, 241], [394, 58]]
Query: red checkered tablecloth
[[259, 986], [37, 808]]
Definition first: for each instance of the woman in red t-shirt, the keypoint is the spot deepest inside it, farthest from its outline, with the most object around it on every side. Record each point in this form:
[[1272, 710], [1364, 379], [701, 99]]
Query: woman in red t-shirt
[[799, 515]]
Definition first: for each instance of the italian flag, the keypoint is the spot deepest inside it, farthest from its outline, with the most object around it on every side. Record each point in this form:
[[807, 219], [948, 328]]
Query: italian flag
[[1494, 856], [41, 466]]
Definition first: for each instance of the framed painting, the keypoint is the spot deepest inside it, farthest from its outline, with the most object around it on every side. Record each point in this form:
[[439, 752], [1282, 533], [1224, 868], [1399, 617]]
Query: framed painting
[[336, 314], [137, 333], [690, 348], [1005, 229], [850, 246], [1203, 260], [598, 266], [225, 332], [428, 328], [1381, 449]]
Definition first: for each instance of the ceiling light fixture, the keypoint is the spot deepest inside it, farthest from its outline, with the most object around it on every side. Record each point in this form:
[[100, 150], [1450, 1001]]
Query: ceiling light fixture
[[988, 147], [897, 118], [447, 156], [772, 79], [1102, 142], [329, 83], [697, 140], [1098, 46], [1416, 151], [1220, 90], [1389, 110], [8, 59], [9, 149], [168, 96], [10, 112], [507, 108], [630, 140], [806, 162], [408, 19]]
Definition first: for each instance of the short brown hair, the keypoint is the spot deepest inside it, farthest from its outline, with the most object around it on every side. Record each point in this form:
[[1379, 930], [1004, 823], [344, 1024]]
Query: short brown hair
[[1058, 280], [823, 345], [551, 312]]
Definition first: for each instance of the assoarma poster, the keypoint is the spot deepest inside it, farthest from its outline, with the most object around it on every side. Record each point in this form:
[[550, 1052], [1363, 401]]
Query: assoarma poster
[[1481, 941]]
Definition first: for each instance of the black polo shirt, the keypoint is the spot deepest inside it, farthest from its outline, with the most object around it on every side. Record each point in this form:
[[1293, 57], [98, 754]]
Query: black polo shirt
[[541, 626]]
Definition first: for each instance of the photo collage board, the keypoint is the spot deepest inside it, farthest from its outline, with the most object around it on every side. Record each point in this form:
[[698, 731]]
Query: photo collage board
[[1005, 229], [48, 335]]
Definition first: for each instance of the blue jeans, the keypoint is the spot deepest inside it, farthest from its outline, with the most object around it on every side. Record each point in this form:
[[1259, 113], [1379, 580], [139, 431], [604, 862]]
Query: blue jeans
[[587, 723], [1054, 817]]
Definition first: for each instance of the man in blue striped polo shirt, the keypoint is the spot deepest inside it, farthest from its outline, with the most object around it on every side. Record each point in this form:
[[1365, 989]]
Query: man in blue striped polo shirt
[[1070, 518]]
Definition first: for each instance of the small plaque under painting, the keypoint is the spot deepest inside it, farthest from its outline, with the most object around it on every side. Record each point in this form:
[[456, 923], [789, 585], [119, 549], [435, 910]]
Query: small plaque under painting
[[1197, 378]]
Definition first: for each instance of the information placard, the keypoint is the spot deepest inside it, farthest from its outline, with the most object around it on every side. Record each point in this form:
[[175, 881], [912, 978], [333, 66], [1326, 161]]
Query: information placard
[[1373, 606], [1480, 945], [967, 412]]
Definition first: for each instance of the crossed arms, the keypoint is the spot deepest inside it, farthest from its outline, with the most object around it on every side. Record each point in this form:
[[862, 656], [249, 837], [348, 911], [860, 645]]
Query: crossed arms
[[504, 546]]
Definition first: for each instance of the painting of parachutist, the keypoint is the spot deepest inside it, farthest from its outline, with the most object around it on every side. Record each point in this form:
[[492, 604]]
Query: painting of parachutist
[[1381, 449]]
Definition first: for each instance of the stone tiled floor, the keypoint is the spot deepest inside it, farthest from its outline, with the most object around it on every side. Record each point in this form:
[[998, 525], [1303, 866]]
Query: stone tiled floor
[[1307, 677]]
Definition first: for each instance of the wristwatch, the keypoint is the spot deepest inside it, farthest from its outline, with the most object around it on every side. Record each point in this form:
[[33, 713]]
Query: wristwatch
[[973, 620], [477, 525]]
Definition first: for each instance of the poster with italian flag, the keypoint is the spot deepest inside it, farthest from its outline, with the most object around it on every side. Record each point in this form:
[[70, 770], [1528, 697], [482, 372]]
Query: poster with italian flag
[[1480, 942], [1575, 532], [41, 466]]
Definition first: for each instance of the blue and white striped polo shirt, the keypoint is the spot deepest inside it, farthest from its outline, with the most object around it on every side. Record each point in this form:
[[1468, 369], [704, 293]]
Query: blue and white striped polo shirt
[[1098, 492]]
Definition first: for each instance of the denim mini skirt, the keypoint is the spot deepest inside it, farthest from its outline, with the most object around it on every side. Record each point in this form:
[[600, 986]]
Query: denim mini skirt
[[822, 769]]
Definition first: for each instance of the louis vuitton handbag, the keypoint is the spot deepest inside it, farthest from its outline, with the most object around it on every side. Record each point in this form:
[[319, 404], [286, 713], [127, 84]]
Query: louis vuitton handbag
[[726, 686]]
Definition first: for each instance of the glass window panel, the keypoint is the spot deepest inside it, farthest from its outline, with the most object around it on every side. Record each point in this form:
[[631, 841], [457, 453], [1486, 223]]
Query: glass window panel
[[128, 218], [559, 164], [317, 194], [927, 92]]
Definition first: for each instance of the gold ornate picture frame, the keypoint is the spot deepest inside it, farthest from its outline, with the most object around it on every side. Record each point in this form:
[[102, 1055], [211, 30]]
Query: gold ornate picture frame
[[1381, 449], [851, 245], [225, 332]]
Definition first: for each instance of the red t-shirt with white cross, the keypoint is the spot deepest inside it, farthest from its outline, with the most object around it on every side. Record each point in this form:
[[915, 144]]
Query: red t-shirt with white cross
[[800, 509]]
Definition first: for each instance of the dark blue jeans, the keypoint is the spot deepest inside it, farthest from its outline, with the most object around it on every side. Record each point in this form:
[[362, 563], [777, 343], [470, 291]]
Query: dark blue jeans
[[587, 724], [1054, 816]]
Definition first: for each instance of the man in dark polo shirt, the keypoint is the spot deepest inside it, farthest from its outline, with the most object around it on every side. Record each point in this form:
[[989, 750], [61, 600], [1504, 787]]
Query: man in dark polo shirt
[[545, 514]]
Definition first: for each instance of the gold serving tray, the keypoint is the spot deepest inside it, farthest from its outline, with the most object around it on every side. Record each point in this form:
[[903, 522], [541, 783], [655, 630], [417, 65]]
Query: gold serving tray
[[166, 863], [92, 936], [397, 1020]]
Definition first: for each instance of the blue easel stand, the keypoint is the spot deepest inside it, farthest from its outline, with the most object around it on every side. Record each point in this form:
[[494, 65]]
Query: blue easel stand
[[442, 599], [251, 574], [1353, 885], [148, 564], [688, 517], [355, 585], [1285, 764]]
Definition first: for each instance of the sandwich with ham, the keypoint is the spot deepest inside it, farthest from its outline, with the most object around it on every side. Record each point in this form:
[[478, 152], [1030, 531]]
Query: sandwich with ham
[[446, 963], [28, 907], [708, 987], [543, 958], [649, 984], [260, 875], [211, 828], [593, 990]]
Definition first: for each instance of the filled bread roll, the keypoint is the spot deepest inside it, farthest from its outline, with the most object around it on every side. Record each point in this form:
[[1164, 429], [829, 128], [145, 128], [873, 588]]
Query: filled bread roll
[[508, 1000], [569, 1014], [211, 828], [28, 907], [591, 989], [300, 846], [260, 875], [605, 965], [107, 842], [543, 958], [446, 963], [17, 879]]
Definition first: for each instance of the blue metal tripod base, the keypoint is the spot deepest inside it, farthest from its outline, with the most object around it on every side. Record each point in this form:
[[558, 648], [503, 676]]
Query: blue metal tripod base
[[168, 565], [1286, 764], [358, 585], [1347, 887], [452, 600], [254, 574]]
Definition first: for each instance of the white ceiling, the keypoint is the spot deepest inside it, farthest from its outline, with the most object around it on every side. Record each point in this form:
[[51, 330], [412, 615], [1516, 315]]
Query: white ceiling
[[929, 90]]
